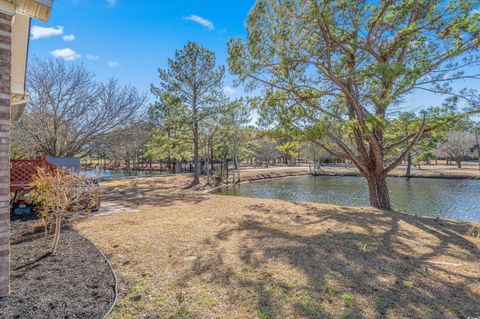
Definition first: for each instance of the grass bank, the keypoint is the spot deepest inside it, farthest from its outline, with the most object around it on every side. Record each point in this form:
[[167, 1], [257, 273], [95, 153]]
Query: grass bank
[[187, 254], [469, 170]]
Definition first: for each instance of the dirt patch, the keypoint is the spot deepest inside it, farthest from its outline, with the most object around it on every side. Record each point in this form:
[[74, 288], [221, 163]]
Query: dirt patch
[[197, 255], [76, 283]]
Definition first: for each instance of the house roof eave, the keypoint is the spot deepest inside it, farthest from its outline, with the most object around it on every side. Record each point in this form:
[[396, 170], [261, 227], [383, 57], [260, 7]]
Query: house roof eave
[[37, 9]]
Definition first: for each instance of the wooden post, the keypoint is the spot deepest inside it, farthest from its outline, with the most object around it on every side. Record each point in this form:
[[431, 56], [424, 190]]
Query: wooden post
[[5, 94]]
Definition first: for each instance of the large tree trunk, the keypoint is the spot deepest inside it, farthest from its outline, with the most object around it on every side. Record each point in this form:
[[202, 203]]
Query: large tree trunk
[[207, 171], [409, 165], [196, 161], [459, 162], [237, 167], [378, 191], [212, 155], [226, 167], [477, 139]]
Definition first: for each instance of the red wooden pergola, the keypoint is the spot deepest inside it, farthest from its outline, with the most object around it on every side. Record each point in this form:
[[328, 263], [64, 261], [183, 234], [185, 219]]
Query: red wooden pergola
[[23, 171]]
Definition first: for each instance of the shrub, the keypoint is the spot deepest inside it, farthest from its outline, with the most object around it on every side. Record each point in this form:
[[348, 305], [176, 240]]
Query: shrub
[[60, 193]]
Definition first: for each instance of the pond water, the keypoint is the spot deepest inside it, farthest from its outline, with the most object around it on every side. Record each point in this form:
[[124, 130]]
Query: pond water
[[121, 173], [448, 198]]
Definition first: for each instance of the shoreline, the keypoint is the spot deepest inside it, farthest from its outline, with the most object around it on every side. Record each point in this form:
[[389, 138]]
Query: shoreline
[[403, 176], [210, 245], [333, 171], [252, 174], [215, 190]]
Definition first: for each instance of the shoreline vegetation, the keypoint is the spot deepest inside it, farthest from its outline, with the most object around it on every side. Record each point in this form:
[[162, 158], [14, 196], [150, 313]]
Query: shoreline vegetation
[[469, 170], [192, 254]]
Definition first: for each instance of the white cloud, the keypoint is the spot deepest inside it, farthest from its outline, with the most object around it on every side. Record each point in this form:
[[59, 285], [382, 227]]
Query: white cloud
[[111, 3], [113, 64], [44, 32], [229, 90], [67, 54], [69, 37], [202, 21], [92, 57]]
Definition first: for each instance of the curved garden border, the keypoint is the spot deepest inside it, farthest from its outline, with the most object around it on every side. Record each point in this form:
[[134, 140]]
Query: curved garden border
[[115, 288], [78, 282]]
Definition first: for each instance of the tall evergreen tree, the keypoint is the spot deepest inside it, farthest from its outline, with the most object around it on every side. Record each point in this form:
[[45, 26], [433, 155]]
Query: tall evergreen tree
[[193, 78], [171, 137]]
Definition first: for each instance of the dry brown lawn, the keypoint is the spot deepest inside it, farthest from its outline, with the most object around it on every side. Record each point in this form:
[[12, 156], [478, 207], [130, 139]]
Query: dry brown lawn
[[187, 254]]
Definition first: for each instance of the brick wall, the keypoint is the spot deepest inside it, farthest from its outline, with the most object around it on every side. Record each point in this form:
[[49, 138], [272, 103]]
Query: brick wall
[[5, 70]]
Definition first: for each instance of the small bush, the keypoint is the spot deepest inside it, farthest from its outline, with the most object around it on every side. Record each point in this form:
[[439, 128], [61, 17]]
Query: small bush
[[61, 193]]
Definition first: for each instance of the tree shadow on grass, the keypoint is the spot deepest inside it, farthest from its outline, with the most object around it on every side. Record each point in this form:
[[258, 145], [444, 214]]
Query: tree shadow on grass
[[335, 263], [151, 193]]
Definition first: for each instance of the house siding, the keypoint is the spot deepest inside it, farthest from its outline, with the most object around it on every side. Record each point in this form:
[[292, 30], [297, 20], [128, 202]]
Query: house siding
[[5, 92]]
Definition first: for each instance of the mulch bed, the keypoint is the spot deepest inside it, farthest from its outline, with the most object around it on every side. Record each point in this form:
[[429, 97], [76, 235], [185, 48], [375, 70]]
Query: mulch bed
[[76, 283]]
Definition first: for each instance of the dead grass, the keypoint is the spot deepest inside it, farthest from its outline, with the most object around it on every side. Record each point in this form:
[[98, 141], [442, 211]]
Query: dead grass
[[187, 254]]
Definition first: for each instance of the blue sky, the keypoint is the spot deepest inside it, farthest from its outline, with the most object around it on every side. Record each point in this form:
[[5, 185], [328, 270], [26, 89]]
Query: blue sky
[[130, 39]]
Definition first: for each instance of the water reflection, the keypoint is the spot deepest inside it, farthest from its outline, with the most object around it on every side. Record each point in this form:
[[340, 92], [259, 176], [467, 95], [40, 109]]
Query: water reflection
[[121, 173], [448, 198]]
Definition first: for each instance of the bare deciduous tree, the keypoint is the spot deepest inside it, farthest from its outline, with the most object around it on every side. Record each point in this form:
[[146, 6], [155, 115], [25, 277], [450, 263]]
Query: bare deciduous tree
[[267, 150], [458, 145], [128, 144], [69, 111]]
